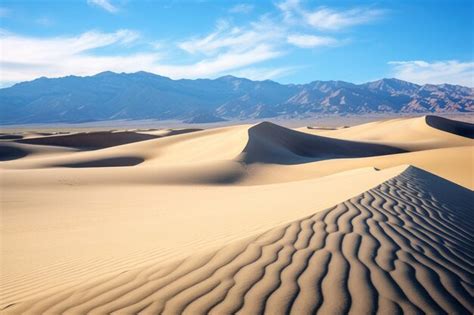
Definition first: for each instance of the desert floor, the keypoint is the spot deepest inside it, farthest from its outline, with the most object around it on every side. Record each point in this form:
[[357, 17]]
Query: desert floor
[[249, 219]]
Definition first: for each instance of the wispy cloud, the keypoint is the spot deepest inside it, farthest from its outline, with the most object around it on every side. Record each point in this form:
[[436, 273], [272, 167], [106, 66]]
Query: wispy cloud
[[228, 37], [231, 48], [327, 19], [223, 63], [437, 72], [289, 8], [309, 41], [104, 4], [242, 8], [25, 58]]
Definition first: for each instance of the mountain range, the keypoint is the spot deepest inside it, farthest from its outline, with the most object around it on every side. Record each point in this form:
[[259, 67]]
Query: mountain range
[[143, 95]]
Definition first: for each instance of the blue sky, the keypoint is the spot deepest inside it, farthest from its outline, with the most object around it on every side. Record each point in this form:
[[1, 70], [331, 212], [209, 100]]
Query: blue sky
[[288, 41]]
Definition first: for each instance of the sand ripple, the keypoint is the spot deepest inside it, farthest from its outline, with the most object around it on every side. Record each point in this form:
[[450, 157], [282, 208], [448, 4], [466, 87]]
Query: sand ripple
[[406, 246]]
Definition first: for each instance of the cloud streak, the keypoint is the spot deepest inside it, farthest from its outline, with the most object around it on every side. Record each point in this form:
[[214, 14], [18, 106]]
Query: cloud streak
[[235, 39], [242, 8], [438, 72], [327, 19], [311, 41], [104, 4]]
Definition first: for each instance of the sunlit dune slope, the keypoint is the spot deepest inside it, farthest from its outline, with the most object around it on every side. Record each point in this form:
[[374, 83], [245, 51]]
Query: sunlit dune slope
[[251, 155], [270, 143], [411, 134], [62, 232], [455, 164], [403, 246]]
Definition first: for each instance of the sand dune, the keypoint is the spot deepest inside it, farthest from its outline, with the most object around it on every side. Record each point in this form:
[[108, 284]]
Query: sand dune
[[455, 164], [270, 143], [11, 152], [107, 162], [92, 140], [404, 246], [459, 128], [410, 134], [81, 234], [101, 139], [250, 155], [10, 137], [232, 219]]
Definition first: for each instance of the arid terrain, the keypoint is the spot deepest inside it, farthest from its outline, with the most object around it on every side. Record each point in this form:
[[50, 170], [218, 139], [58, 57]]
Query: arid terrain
[[248, 219]]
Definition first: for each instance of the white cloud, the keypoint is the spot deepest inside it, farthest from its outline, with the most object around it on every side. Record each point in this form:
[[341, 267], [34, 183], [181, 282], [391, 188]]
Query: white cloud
[[220, 64], [327, 19], [26, 58], [104, 4], [310, 41], [230, 48], [226, 37], [289, 8], [438, 72], [38, 50], [242, 8]]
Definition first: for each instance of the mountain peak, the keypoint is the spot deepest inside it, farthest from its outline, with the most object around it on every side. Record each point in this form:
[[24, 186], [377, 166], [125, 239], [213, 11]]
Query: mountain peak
[[229, 78], [144, 95], [105, 74], [392, 85]]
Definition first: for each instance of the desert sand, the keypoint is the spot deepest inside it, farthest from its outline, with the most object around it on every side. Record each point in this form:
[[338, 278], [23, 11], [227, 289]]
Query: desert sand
[[242, 219]]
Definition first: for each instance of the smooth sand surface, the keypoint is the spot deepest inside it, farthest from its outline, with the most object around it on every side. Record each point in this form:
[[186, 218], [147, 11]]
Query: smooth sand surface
[[250, 219]]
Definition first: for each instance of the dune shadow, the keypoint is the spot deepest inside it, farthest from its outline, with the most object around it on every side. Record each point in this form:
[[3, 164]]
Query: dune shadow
[[10, 137], [460, 128], [90, 140], [9, 153], [99, 139], [181, 131], [270, 143], [107, 162]]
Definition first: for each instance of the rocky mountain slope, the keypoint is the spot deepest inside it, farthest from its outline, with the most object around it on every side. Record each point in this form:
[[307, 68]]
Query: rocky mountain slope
[[143, 95]]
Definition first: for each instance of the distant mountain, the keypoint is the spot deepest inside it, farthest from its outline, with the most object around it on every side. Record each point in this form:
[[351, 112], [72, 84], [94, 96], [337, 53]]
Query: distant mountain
[[143, 95]]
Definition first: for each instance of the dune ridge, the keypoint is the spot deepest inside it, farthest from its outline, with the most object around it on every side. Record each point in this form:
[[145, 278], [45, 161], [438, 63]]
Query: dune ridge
[[270, 143], [406, 245], [409, 134], [250, 155], [459, 128], [101, 139]]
